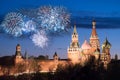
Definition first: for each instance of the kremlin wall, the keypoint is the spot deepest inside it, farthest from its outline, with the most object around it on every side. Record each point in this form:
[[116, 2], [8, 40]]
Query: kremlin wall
[[76, 55]]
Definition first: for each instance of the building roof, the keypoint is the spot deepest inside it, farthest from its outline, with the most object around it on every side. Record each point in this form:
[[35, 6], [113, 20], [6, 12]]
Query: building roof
[[86, 45]]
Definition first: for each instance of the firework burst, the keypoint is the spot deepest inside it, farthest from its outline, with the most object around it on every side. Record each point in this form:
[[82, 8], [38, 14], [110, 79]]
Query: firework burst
[[54, 19], [37, 23], [40, 39], [30, 26], [13, 24]]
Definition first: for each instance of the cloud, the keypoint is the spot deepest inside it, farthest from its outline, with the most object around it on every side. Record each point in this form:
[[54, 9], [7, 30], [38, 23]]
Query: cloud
[[101, 22]]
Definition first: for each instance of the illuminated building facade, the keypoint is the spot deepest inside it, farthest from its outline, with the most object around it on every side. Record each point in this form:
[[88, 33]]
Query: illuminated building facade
[[82, 54], [105, 55], [76, 54]]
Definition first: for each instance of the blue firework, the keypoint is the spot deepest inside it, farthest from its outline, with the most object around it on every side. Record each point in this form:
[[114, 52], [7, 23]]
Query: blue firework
[[29, 27], [13, 24], [54, 19]]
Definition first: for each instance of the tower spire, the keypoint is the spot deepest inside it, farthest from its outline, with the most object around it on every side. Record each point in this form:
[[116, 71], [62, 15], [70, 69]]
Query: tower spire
[[94, 33], [74, 49], [93, 23], [74, 31], [94, 40]]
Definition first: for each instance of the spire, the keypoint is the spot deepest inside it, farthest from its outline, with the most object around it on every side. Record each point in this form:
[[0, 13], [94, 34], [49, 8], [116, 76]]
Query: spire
[[26, 55], [55, 54], [75, 31], [93, 23], [94, 33], [106, 41], [94, 40], [75, 38]]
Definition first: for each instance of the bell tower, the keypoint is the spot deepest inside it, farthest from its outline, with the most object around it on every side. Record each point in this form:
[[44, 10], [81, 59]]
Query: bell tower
[[94, 40]]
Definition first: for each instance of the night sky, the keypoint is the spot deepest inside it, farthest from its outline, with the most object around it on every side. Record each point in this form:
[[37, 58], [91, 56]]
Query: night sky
[[105, 12]]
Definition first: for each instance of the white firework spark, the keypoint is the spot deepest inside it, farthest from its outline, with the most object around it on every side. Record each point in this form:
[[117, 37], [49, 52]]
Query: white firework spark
[[40, 39], [13, 23], [54, 19], [30, 26]]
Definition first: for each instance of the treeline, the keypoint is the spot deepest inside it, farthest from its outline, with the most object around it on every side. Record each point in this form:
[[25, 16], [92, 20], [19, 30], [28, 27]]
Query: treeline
[[75, 72], [7, 61]]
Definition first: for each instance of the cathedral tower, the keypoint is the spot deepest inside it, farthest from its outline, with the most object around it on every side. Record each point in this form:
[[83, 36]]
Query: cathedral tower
[[105, 56], [94, 40], [74, 49]]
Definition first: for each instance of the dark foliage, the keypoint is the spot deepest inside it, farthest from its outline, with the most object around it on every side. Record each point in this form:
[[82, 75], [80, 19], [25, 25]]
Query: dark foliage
[[75, 72], [113, 71], [7, 61]]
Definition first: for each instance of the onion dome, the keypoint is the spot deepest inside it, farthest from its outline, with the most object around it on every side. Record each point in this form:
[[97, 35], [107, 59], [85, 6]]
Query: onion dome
[[18, 44], [97, 52], [86, 45], [106, 44]]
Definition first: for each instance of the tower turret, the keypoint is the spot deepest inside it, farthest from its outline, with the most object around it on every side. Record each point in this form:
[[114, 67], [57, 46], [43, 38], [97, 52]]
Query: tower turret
[[116, 57], [26, 55], [94, 40], [105, 56], [106, 46], [18, 50], [18, 56], [55, 56], [74, 49], [75, 42]]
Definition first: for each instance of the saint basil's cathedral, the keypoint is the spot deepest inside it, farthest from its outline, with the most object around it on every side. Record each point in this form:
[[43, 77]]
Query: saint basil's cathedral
[[82, 54]]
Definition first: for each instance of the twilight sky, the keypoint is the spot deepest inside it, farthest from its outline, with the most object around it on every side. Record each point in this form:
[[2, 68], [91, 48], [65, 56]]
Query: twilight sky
[[105, 12]]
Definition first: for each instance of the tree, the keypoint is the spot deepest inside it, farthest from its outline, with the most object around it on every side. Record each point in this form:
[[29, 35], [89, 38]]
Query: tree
[[113, 70], [116, 57], [41, 57], [20, 68], [33, 65]]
